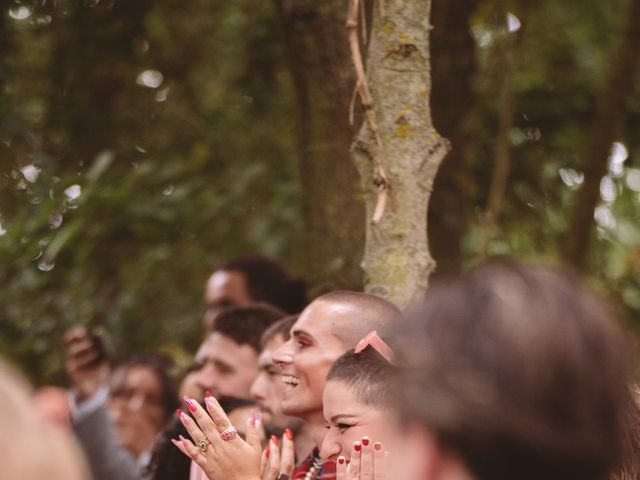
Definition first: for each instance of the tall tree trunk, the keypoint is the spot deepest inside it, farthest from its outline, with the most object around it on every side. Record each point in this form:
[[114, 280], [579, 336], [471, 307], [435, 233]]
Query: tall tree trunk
[[398, 151], [454, 62], [502, 154], [607, 125], [318, 56]]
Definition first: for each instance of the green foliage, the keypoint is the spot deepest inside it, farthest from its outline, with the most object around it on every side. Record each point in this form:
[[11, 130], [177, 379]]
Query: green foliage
[[121, 190], [562, 56], [142, 142]]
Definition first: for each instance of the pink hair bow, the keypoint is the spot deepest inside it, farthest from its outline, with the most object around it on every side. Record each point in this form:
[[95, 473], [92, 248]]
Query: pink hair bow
[[373, 340]]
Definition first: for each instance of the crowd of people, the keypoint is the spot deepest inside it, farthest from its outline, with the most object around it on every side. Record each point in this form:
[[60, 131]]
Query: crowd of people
[[508, 371]]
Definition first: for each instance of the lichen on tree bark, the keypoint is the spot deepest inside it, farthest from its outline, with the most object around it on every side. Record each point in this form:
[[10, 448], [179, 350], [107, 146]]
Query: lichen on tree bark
[[397, 262]]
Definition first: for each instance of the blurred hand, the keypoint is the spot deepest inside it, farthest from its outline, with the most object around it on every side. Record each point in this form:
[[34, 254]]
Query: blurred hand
[[86, 367], [368, 462], [278, 459]]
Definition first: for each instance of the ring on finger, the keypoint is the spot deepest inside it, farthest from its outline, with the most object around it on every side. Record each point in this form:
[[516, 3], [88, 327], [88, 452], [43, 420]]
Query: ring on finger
[[229, 434], [203, 445]]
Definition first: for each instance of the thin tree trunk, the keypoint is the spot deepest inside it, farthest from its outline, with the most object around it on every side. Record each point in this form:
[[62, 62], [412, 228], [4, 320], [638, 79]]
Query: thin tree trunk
[[318, 58], [454, 64], [606, 127], [398, 151], [502, 155]]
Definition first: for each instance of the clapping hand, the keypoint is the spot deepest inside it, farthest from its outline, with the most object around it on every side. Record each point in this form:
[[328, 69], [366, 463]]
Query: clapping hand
[[215, 445], [368, 462], [278, 459]]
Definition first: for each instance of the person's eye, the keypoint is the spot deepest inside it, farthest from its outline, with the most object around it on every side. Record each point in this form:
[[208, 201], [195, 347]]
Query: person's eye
[[343, 427], [302, 344], [195, 366]]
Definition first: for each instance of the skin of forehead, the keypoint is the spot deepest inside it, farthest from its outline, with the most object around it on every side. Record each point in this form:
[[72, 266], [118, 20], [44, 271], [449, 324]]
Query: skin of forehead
[[324, 318], [228, 284]]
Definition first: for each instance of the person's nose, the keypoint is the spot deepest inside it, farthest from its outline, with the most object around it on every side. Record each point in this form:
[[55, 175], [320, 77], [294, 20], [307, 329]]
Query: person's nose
[[284, 355], [136, 403], [206, 379], [258, 388], [331, 447]]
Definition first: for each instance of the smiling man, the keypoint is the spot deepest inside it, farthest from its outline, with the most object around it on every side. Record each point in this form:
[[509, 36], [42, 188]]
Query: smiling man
[[327, 328], [228, 358]]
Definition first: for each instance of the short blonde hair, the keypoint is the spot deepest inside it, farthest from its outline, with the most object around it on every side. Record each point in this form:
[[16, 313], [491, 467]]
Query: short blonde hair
[[31, 448]]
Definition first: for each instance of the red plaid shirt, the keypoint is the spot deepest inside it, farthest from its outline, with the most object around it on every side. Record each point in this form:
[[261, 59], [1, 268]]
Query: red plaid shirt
[[327, 471]]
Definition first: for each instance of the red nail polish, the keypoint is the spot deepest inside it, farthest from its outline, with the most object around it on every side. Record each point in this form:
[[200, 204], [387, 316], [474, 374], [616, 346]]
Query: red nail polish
[[288, 433], [365, 441], [274, 439], [207, 394], [267, 452], [341, 460], [190, 404], [357, 446], [178, 413], [377, 446]]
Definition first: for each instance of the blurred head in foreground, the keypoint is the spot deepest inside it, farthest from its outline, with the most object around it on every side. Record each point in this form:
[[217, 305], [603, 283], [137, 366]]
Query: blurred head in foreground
[[512, 372], [31, 448]]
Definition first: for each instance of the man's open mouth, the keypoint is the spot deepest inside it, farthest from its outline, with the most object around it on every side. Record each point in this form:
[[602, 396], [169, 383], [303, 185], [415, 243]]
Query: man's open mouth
[[290, 380]]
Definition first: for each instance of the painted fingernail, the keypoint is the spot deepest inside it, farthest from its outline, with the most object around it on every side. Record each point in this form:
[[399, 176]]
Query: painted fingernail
[[341, 460], [274, 439], [365, 441], [178, 412], [288, 433], [377, 446], [207, 394], [190, 404], [267, 452], [357, 446], [259, 417]]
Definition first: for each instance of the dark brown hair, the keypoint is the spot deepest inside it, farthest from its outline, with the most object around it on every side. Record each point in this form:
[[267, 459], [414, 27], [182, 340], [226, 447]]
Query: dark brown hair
[[269, 281], [368, 375], [245, 325], [281, 327], [521, 372]]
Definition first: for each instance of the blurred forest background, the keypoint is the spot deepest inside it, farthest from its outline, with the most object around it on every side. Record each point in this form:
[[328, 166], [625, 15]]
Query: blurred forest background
[[143, 142]]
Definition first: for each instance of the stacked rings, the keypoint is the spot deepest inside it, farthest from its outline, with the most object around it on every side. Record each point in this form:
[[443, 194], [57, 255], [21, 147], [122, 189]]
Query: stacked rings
[[229, 434]]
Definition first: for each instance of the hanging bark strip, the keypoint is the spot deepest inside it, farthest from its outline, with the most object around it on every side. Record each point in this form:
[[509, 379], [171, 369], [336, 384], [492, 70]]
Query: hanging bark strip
[[397, 149], [362, 87]]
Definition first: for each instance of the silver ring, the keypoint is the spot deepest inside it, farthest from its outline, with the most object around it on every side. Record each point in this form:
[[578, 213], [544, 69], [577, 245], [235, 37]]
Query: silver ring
[[229, 434]]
